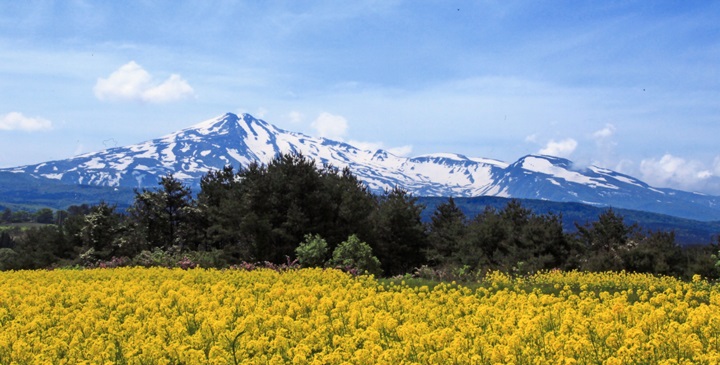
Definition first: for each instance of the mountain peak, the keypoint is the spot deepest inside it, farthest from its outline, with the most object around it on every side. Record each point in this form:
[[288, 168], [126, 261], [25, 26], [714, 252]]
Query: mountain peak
[[237, 140], [230, 117]]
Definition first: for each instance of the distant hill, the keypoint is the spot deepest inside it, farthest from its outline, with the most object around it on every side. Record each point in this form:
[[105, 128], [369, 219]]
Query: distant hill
[[238, 140], [21, 191], [687, 231]]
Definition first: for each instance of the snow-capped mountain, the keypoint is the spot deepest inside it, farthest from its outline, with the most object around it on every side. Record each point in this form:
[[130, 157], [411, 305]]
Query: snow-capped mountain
[[232, 140]]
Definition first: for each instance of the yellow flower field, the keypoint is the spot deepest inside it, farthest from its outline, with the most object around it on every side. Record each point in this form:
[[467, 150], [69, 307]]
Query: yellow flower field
[[314, 316]]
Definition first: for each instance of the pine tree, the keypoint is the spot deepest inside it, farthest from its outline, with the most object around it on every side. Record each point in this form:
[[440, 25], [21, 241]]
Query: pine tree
[[447, 229], [400, 238], [161, 215]]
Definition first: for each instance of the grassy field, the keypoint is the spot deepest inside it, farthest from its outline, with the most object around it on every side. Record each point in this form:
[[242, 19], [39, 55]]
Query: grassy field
[[316, 316]]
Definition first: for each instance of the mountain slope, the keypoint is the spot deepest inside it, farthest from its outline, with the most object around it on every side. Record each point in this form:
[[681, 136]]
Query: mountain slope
[[230, 140], [237, 141]]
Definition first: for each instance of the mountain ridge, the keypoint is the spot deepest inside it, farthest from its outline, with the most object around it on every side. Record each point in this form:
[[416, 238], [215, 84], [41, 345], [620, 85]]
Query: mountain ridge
[[235, 140]]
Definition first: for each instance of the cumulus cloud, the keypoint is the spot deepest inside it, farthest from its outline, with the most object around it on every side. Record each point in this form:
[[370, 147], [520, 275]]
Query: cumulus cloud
[[401, 151], [675, 172], [606, 132], [562, 148], [295, 117], [336, 126], [366, 146], [330, 126], [132, 83], [17, 121]]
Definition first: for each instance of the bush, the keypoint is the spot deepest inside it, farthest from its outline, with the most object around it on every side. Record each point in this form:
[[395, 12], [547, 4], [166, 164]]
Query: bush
[[312, 252], [207, 259], [7, 258], [156, 257], [356, 254]]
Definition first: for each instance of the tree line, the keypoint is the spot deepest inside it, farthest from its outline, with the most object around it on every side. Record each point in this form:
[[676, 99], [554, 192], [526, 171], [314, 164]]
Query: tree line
[[292, 209], [42, 216]]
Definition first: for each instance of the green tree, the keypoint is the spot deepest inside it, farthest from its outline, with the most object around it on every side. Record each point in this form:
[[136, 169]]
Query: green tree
[[221, 207], [20, 216], [36, 248], [71, 222], [515, 239], [350, 205], [6, 216], [312, 252], [604, 241], [262, 212], [161, 216], [356, 254], [483, 244], [45, 216], [654, 253], [8, 259], [400, 237], [546, 244], [6, 241], [101, 230], [447, 230]]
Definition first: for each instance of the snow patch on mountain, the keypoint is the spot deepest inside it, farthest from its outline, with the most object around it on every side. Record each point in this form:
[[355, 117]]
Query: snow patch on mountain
[[235, 140]]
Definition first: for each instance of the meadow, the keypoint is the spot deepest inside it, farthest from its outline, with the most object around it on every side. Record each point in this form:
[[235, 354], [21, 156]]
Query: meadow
[[325, 316]]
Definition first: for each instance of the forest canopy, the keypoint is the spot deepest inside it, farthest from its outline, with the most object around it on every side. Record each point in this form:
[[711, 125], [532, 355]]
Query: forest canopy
[[292, 210]]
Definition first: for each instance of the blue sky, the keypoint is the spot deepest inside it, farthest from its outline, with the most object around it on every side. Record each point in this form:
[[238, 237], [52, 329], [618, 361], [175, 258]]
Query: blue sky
[[628, 85]]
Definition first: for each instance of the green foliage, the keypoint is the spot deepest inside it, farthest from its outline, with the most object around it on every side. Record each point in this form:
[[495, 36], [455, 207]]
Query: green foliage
[[356, 254], [687, 232], [312, 252], [173, 258], [8, 259], [161, 216], [6, 216], [45, 216], [604, 240], [39, 247], [6, 241], [512, 239], [101, 230], [447, 229], [71, 223], [399, 235], [654, 252], [261, 212], [155, 257]]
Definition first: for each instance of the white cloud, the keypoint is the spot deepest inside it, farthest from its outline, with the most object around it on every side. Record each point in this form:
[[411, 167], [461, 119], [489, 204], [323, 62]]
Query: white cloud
[[531, 138], [674, 171], [366, 146], [606, 132], [17, 121], [330, 126], [401, 151], [295, 117], [335, 127], [132, 83], [562, 148], [174, 88]]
